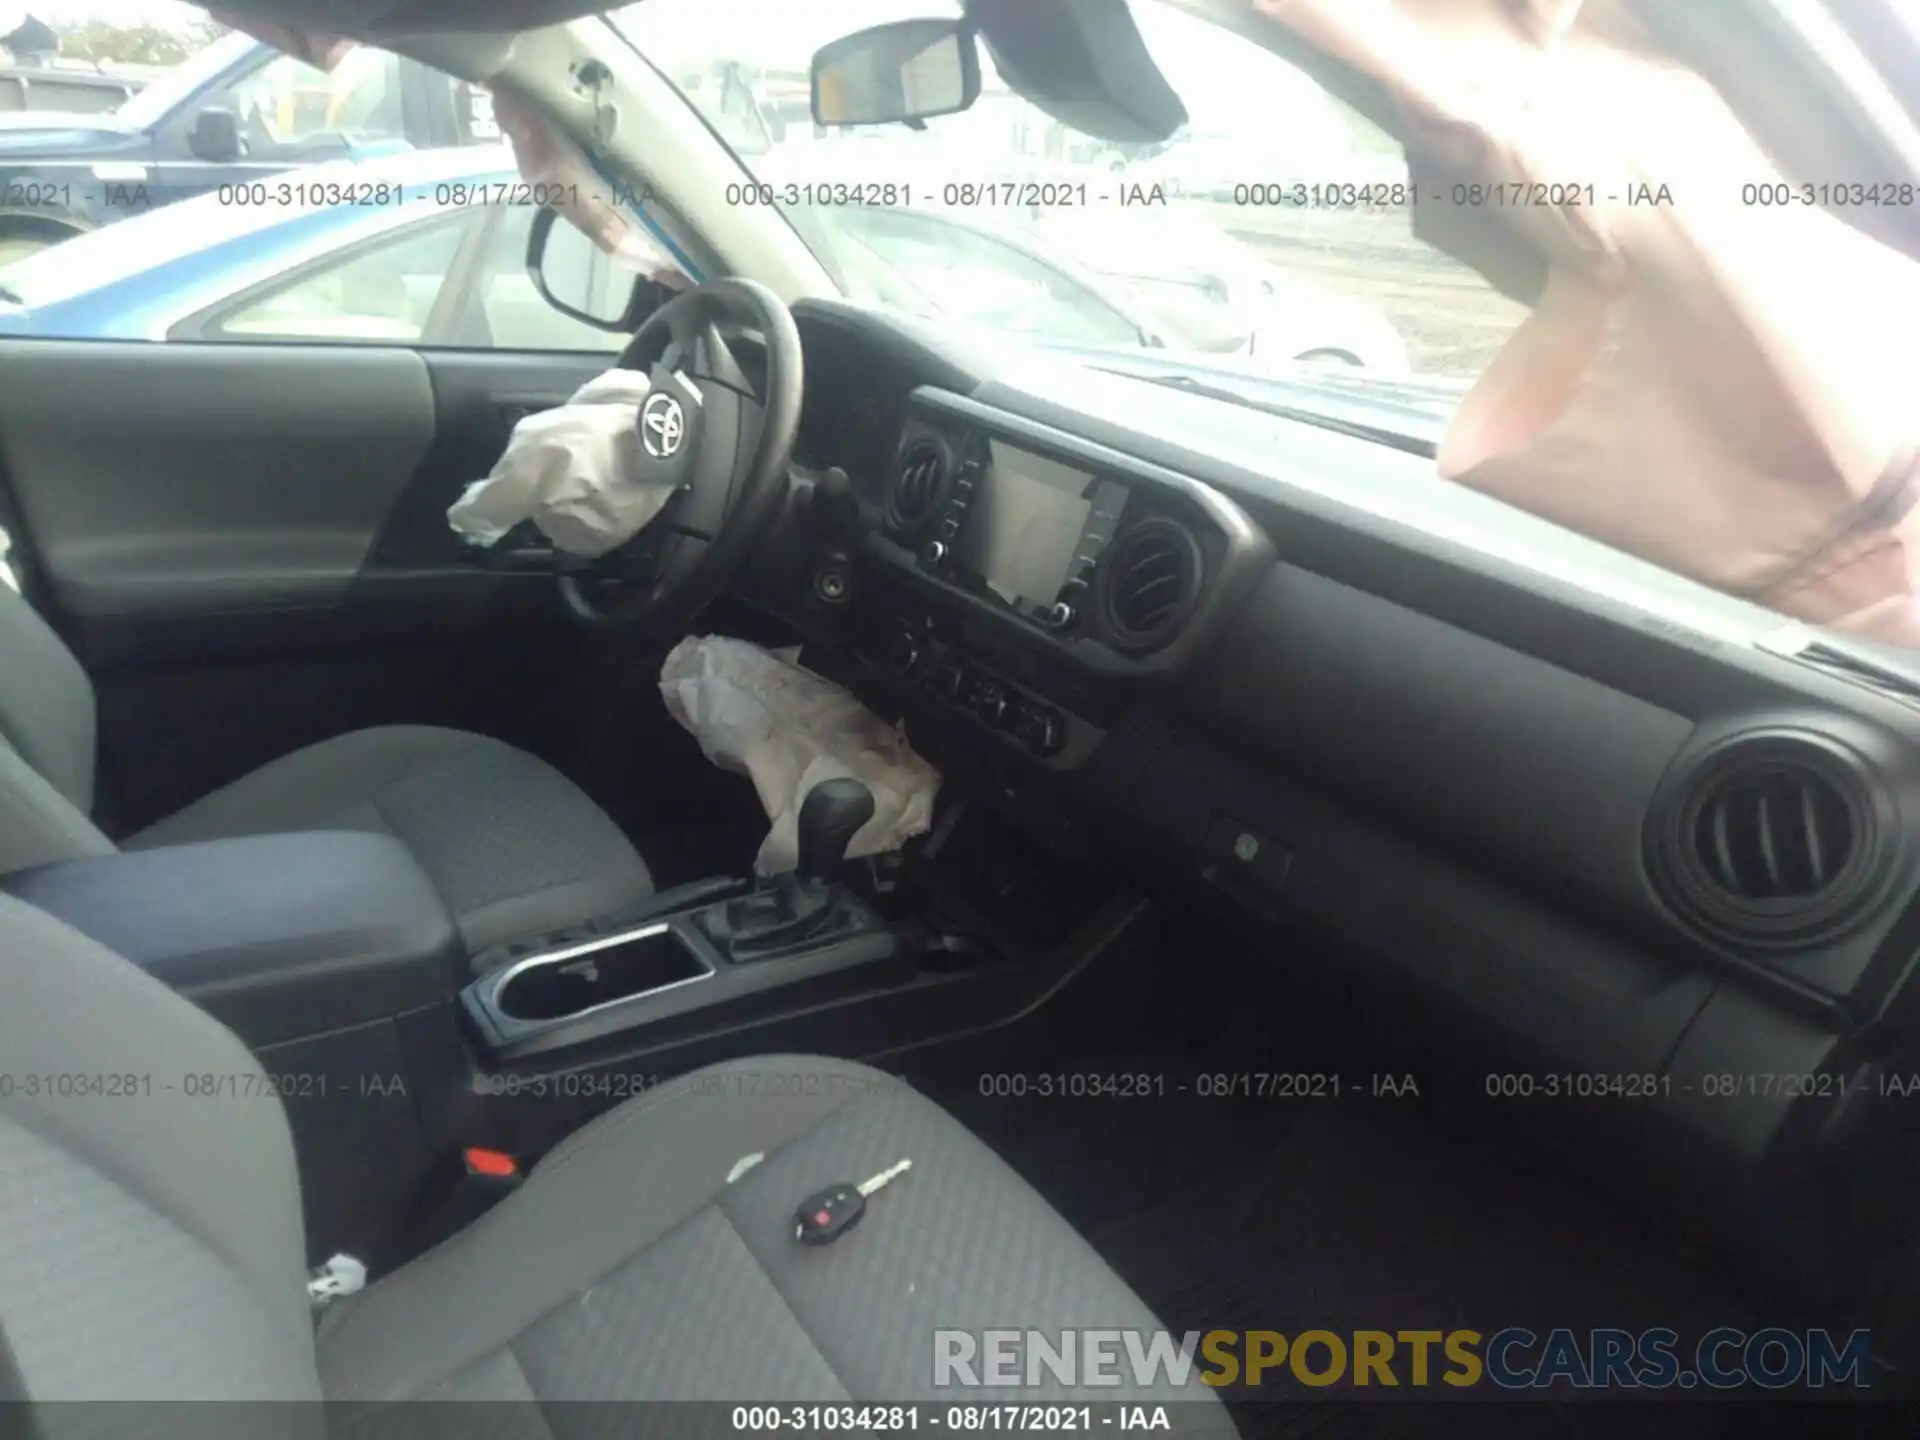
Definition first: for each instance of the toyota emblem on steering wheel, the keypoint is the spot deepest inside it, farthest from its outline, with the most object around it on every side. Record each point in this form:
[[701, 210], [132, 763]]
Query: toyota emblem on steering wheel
[[663, 424]]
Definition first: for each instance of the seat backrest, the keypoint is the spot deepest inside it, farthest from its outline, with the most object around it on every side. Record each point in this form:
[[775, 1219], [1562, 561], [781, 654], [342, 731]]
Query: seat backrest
[[150, 1227], [46, 744]]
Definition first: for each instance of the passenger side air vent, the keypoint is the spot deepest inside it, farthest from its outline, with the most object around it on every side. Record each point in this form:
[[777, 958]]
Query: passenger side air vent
[[1147, 583], [921, 481], [1773, 840]]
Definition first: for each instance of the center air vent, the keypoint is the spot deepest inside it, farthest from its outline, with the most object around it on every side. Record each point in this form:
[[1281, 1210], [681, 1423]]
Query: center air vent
[[920, 484], [1148, 583], [1773, 841]]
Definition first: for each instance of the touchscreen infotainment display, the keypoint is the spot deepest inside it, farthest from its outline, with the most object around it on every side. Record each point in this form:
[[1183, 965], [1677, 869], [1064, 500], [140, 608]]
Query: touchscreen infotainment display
[[1026, 518]]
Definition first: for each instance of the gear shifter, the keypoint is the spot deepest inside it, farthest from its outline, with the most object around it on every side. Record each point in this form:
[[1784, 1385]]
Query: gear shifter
[[800, 905], [830, 817]]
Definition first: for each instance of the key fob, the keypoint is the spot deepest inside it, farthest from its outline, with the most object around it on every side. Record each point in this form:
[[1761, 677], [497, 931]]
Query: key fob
[[826, 1215]]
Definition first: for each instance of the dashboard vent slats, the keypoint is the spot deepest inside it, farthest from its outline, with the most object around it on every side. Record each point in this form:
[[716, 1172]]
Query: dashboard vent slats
[[1149, 581], [1774, 833], [919, 487], [1771, 841]]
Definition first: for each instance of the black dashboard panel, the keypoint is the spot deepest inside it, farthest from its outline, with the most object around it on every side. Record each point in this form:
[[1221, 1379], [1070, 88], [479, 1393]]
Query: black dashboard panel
[[1501, 757], [1464, 743]]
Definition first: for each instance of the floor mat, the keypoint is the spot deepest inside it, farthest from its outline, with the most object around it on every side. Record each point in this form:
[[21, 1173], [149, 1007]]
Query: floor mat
[[1368, 1216], [1228, 1208]]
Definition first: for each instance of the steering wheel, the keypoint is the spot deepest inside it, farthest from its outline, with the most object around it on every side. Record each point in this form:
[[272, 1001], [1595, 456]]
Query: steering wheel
[[706, 433]]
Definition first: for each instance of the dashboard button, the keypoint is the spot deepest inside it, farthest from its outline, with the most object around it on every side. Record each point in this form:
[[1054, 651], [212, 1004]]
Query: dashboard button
[[949, 682], [990, 702], [1042, 730], [935, 552]]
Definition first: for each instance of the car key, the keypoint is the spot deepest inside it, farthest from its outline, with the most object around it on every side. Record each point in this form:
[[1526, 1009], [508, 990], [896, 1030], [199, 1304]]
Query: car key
[[826, 1215]]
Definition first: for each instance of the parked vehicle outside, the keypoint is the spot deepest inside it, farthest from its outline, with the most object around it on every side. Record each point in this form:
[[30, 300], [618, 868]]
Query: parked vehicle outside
[[67, 86], [236, 113], [426, 268], [1063, 279], [441, 262]]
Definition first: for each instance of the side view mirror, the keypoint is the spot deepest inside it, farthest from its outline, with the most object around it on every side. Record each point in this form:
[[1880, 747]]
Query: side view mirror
[[909, 70], [579, 279], [215, 136]]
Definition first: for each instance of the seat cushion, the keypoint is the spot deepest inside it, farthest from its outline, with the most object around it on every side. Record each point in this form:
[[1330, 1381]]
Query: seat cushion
[[651, 1258], [513, 846]]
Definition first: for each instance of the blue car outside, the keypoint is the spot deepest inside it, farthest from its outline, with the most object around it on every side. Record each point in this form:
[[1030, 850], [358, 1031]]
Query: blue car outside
[[145, 278]]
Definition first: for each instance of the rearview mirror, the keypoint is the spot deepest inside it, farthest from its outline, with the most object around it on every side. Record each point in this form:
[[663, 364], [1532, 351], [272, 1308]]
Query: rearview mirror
[[909, 70], [215, 136], [578, 278]]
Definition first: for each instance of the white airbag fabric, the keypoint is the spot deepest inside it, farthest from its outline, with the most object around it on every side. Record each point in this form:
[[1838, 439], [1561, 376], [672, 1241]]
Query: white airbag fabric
[[574, 471], [786, 729]]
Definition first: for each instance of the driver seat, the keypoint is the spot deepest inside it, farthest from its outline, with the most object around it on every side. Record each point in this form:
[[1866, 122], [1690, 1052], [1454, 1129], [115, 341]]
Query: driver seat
[[514, 847]]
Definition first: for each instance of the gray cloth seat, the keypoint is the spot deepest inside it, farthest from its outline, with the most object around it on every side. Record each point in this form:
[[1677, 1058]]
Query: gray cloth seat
[[150, 1244], [514, 847]]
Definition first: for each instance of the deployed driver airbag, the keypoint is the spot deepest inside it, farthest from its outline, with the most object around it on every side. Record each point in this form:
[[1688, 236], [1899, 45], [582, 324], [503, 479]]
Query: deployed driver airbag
[[574, 471], [786, 729]]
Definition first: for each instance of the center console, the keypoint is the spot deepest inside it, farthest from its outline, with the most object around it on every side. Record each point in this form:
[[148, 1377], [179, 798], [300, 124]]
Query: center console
[[334, 957], [723, 951], [391, 1048]]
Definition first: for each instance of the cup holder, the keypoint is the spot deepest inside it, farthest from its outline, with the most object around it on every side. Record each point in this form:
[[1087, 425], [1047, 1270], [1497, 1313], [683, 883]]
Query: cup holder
[[571, 982]]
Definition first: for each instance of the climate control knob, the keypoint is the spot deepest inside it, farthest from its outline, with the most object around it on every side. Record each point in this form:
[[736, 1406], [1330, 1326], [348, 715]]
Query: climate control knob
[[903, 653], [1042, 731]]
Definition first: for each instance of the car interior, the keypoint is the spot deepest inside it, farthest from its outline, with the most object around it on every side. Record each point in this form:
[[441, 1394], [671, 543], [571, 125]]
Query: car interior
[[1322, 918]]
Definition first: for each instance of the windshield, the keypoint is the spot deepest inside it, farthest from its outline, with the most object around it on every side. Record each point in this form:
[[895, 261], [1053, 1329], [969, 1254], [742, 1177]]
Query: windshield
[[179, 82], [1269, 233]]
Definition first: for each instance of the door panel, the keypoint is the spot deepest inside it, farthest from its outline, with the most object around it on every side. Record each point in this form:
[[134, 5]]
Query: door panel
[[248, 547], [184, 479]]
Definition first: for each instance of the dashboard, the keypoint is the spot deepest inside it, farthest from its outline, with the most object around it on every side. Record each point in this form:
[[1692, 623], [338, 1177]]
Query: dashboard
[[1015, 574], [1613, 836]]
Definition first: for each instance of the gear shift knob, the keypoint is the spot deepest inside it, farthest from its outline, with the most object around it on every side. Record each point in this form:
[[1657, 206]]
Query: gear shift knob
[[830, 817]]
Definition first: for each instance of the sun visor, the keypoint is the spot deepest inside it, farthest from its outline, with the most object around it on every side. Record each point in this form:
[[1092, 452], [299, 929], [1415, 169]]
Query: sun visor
[[1082, 62], [1698, 383]]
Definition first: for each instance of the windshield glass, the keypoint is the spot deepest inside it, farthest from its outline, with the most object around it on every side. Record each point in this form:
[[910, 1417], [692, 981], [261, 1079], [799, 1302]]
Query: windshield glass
[[177, 83], [1271, 231]]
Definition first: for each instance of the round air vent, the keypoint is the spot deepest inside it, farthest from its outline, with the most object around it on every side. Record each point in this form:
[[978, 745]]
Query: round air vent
[[1148, 583], [1772, 840], [920, 484]]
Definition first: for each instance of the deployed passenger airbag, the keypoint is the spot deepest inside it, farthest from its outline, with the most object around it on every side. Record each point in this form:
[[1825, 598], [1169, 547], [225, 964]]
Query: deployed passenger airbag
[[785, 728]]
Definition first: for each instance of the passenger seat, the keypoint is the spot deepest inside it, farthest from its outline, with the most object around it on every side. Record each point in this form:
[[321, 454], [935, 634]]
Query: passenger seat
[[150, 1237]]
